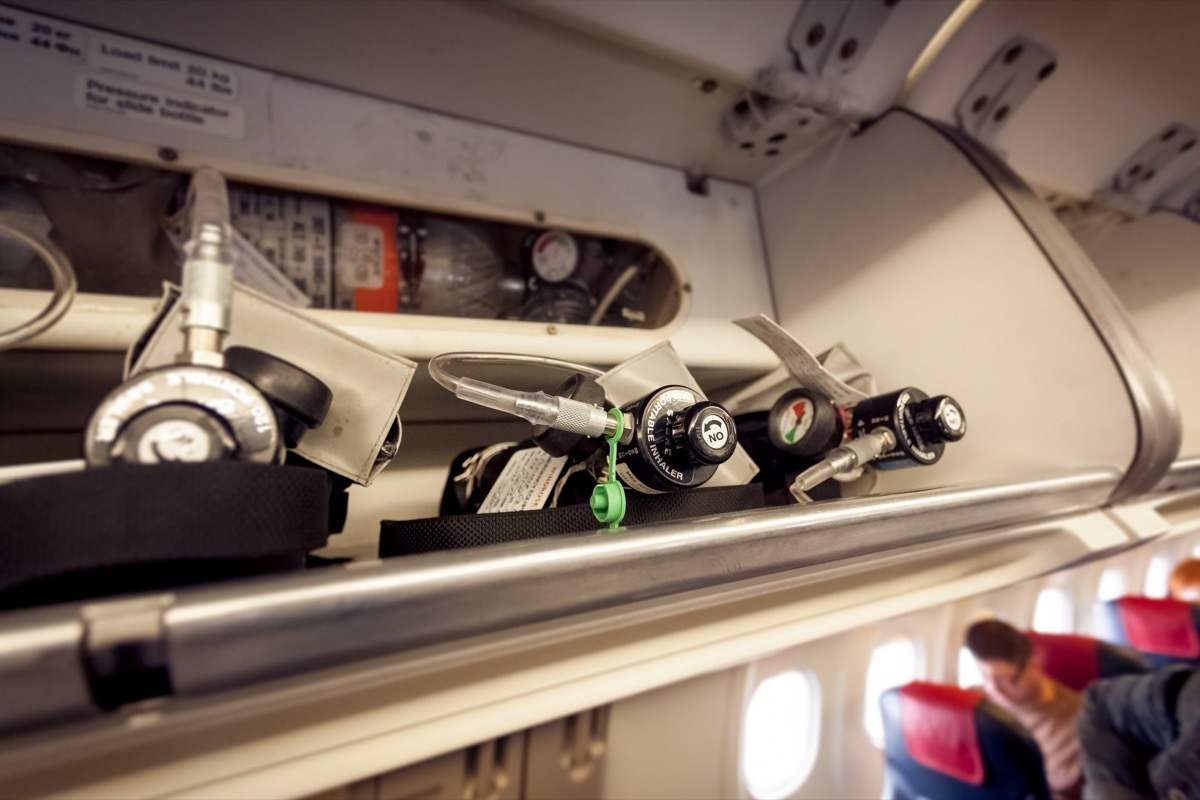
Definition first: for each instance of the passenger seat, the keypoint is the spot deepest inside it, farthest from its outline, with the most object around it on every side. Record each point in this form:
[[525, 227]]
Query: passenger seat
[[943, 741], [1164, 630], [1075, 661]]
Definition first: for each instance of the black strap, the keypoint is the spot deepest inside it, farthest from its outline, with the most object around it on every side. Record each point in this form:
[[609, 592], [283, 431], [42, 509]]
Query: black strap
[[409, 537], [139, 527]]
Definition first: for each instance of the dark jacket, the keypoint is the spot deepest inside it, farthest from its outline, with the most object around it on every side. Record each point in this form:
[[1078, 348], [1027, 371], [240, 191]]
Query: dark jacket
[[1140, 736]]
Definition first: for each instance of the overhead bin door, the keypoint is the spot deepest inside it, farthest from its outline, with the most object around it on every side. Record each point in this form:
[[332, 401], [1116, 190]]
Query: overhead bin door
[[933, 273]]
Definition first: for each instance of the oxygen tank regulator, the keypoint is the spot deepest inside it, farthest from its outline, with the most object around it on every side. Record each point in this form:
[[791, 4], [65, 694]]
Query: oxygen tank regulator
[[213, 404], [670, 439], [899, 429]]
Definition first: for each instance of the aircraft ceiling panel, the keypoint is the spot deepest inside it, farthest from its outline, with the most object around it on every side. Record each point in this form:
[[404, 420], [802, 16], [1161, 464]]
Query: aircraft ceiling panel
[[733, 37], [621, 75], [1125, 71], [488, 62]]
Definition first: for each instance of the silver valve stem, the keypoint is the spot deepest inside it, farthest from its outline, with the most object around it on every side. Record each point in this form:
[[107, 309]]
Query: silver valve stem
[[207, 299]]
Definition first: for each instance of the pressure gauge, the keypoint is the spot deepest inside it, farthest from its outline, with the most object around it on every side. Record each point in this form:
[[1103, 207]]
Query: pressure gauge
[[804, 422], [554, 255]]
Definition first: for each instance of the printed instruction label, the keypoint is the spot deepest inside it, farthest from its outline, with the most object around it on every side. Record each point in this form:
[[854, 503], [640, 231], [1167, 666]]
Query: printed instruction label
[[360, 256], [168, 69], [802, 364], [629, 479], [525, 483], [32, 33], [306, 253], [101, 92], [253, 269], [292, 231]]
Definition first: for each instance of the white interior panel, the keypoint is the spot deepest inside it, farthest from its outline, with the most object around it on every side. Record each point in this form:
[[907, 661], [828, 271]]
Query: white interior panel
[[1153, 265], [491, 62], [305, 136], [898, 247]]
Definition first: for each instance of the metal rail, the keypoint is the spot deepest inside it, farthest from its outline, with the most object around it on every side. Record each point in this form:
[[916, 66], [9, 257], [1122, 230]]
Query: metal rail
[[243, 632], [224, 637]]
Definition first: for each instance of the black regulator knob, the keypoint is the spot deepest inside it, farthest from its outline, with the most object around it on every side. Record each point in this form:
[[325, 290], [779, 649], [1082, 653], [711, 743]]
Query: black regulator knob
[[804, 422], [704, 435], [940, 418], [920, 423], [679, 439]]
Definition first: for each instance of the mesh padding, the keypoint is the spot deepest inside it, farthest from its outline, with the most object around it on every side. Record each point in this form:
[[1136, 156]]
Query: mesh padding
[[409, 537]]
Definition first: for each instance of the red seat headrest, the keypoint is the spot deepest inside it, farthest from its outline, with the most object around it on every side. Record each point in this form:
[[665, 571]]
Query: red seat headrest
[[1160, 625], [939, 729], [1071, 660]]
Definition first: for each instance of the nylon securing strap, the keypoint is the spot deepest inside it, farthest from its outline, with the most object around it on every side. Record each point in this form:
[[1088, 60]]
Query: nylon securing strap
[[136, 521], [409, 537]]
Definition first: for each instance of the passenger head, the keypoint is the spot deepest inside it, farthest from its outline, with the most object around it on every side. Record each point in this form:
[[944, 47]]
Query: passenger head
[[1185, 580], [1005, 659]]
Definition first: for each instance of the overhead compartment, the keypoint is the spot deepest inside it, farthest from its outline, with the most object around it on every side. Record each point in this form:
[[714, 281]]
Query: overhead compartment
[[920, 253]]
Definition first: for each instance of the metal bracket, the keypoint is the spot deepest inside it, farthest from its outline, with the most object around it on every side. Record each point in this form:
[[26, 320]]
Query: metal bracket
[[1014, 72], [830, 39], [1147, 179], [789, 110], [766, 126], [125, 651], [585, 742], [1154, 159]]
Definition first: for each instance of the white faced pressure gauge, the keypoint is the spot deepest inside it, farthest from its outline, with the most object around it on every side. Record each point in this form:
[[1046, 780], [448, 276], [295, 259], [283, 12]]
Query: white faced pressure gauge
[[554, 255]]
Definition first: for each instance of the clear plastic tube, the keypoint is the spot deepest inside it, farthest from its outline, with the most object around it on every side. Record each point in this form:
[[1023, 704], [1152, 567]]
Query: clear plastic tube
[[538, 408], [63, 286]]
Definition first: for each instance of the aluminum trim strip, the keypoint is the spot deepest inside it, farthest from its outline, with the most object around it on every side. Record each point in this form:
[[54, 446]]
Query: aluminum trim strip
[[1183, 474], [1160, 430], [229, 636]]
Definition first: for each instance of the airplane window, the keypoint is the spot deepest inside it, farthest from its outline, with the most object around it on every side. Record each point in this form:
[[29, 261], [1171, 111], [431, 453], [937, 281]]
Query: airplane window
[[892, 664], [1112, 585], [780, 734], [968, 670], [1052, 613], [1157, 576]]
